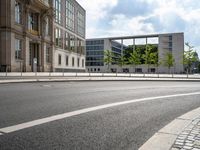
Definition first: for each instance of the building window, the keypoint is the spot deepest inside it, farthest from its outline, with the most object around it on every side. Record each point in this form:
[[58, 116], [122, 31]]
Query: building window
[[47, 28], [57, 8], [170, 37], [69, 15], [67, 60], [82, 47], [170, 44], [66, 41], [18, 12], [48, 55], [78, 46], [73, 61], [72, 43], [81, 24], [138, 70], [59, 59], [18, 49], [58, 37], [83, 63], [33, 23], [78, 62]]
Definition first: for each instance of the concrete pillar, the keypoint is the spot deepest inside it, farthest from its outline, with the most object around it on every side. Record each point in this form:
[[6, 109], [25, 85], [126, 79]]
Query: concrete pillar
[[133, 44], [122, 47]]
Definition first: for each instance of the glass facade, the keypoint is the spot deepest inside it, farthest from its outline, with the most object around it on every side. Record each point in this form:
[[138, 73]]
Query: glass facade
[[70, 12], [57, 8], [58, 37], [81, 24], [95, 53], [117, 50], [69, 34]]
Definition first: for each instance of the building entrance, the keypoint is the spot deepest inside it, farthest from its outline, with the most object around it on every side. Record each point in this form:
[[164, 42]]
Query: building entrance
[[34, 56]]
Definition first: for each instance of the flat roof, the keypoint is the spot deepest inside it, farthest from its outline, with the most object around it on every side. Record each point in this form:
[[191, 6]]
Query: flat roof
[[135, 36]]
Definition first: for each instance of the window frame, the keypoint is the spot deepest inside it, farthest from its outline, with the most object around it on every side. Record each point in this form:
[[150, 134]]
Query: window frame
[[48, 54], [57, 10], [67, 60], [18, 12], [73, 62], [59, 59], [18, 49]]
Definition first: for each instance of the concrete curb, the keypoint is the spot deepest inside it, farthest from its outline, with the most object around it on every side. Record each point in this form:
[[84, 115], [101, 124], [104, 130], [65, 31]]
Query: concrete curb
[[165, 137], [70, 79]]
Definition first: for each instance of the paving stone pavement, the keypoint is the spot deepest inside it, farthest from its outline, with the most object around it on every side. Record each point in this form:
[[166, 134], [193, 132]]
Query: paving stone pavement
[[189, 139]]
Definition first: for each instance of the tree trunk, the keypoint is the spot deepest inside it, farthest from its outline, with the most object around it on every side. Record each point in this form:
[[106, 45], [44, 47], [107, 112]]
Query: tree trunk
[[108, 68], [157, 72]]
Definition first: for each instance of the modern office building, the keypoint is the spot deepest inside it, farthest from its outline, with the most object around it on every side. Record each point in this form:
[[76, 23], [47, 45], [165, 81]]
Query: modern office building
[[42, 35], [170, 42], [95, 53]]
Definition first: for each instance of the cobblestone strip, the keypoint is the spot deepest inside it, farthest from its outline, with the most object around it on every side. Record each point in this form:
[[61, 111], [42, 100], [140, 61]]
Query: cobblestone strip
[[189, 139]]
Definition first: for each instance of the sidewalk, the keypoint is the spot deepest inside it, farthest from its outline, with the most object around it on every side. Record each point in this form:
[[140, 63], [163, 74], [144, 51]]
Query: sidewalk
[[189, 139], [181, 134]]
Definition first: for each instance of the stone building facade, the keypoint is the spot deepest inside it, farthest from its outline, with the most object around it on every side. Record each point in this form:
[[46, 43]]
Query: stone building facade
[[33, 35]]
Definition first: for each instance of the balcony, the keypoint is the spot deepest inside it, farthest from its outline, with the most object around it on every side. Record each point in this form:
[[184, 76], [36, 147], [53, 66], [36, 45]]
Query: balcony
[[33, 32], [43, 4]]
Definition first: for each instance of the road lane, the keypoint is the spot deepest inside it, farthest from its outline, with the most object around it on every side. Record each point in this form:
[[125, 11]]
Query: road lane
[[27, 102], [41, 121], [120, 127]]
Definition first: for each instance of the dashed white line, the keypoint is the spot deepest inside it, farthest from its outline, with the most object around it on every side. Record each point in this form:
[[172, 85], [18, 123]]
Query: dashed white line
[[82, 111]]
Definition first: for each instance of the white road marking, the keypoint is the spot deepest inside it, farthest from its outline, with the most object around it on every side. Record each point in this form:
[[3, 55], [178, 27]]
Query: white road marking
[[82, 111]]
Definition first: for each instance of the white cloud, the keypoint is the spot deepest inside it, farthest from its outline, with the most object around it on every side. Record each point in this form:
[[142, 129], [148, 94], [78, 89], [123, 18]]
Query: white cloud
[[129, 26], [97, 9], [168, 16]]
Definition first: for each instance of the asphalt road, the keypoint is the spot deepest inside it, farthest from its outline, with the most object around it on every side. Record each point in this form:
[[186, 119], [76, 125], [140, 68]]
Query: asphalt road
[[120, 127]]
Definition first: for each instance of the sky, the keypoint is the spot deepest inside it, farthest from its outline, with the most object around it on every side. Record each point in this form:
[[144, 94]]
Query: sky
[[108, 18]]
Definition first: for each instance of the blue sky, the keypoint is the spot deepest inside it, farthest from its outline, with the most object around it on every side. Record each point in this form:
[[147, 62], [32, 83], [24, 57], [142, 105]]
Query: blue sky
[[134, 17]]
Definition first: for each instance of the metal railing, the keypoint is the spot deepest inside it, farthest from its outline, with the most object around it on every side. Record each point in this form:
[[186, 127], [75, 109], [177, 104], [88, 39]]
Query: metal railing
[[79, 74]]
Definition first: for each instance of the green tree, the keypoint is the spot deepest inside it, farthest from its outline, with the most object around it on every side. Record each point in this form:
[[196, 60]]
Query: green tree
[[189, 57], [198, 67], [169, 61], [121, 61], [149, 56], [155, 60], [108, 58], [135, 58]]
